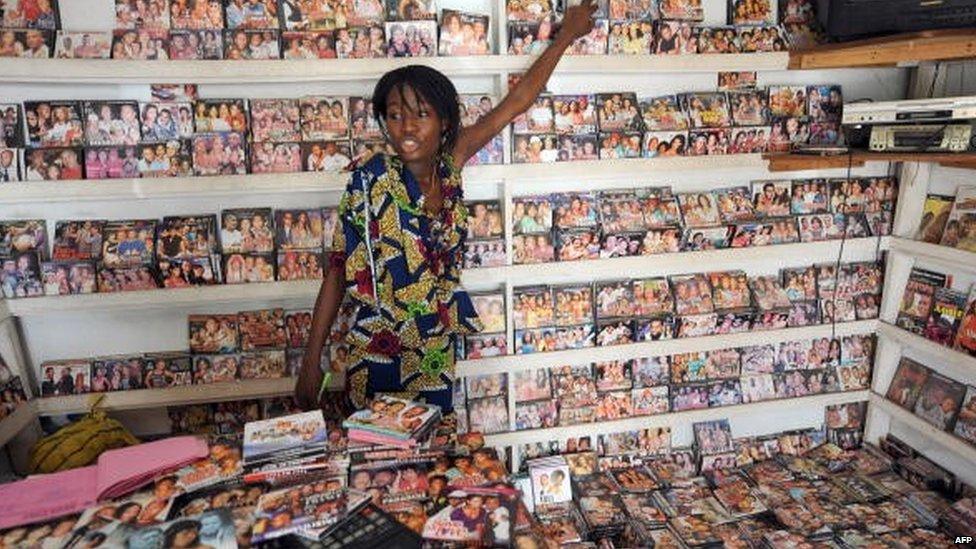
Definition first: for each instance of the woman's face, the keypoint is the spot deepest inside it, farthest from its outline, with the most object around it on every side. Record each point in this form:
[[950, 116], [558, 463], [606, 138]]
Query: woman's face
[[413, 125]]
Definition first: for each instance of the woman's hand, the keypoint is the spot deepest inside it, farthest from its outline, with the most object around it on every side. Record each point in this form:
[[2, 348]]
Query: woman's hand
[[578, 20], [309, 382]]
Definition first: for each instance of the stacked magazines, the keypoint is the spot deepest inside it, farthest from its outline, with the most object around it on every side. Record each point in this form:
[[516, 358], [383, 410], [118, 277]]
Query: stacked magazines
[[394, 422], [290, 450]]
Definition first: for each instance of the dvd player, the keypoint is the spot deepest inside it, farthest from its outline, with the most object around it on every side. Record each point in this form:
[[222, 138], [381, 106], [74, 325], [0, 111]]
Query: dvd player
[[914, 125]]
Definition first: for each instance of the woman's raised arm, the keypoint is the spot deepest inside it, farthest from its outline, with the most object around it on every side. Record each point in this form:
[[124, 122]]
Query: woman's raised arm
[[577, 22]]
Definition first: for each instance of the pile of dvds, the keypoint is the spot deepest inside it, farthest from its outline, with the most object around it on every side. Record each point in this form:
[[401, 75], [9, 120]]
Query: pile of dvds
[[789, 487], [393, 422], [559, 128], [290, 450], [940, 400], [933, 309], [950, 220], [224, 421], [647, 221], [614, 390], [178, 134]]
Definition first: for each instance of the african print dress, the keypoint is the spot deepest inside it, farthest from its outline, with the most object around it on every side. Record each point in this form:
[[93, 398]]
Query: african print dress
[[403, 338]]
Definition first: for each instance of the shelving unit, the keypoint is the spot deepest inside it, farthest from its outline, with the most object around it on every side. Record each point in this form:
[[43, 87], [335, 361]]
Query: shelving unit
[[645, 73], [173, 396]]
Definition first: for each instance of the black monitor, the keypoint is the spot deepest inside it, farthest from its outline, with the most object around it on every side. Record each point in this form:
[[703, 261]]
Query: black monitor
[[849, 19]]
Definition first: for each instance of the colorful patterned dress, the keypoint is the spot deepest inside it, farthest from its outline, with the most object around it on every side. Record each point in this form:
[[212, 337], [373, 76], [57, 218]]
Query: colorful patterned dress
[[403, 338]]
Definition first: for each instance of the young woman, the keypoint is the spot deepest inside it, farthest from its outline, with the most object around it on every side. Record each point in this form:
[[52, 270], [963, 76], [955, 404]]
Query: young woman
[[404, 277]]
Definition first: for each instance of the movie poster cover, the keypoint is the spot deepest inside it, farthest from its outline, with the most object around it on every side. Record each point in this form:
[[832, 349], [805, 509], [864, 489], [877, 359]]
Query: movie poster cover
[[65, 377]]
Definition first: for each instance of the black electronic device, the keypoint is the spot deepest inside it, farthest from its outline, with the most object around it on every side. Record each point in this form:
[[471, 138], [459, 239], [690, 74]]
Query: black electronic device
[[849, 19]]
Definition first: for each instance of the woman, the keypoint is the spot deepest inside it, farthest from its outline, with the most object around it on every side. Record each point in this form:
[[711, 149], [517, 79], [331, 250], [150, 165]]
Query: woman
[[405, 330]]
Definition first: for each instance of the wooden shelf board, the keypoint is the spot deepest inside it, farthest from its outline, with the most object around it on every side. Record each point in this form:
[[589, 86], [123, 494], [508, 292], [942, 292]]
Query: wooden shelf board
[[173, 396], [535, 361], [12, 425], [784, 162], [954, 257], [900, 49]]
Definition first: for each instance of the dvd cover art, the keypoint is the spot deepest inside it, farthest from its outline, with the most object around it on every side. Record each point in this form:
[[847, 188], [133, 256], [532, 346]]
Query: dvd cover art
[[689, 367], [162, 370], [749, 108], [111, 123], [966, 421], [528, 249], [724, 393], [809, 196], [772, 198], [825, 103], [707, 110], [819, 227], [918, 299], [324, 118], [766, 38], [788, 132], [213, 333], [251, 44], [361, 42], [620, 145], [699, 209], [935, 215], [299, 229], [959, 231], [463, 34], [749, 140], [253, 14], [618, 112], [734, 204], [690, 10], [536, 415], [787, 101], [718, 40], [65, 377], [629, 37], [768, 293], [693, 294], [663, 113], [531, 385], [940, 400], [730, 289], [412, 39], [751, 12], [615, 332], [573, 305], [61, 278], [140, 44], [196, 44], [31, 44], [276, 158], [488, 415], [533, 307], [663, 144], [262, 329], [661, 241], [532, 214], [489, 253], [242, 268], [219, 154], [710, 141], [732, 81], [614, 299], [308, 45], [215, 368], [161, 122], [575, 245], [247, 231], [756, 388], [300, 265], [713, 437], [53, 124], [574, 210]]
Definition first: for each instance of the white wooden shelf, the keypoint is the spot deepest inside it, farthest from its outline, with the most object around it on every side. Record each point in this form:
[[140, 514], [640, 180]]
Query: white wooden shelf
[[163, 188], [268, 184], [928, 439], [945, 360], [98, 71], [958, 259], [674, 419], [305, 290], [301, 290], [173, 396], [12, 425], [803, 253], [535, 361]]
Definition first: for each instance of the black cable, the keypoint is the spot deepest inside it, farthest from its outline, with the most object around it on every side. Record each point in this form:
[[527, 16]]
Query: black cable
[[840, 250]]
